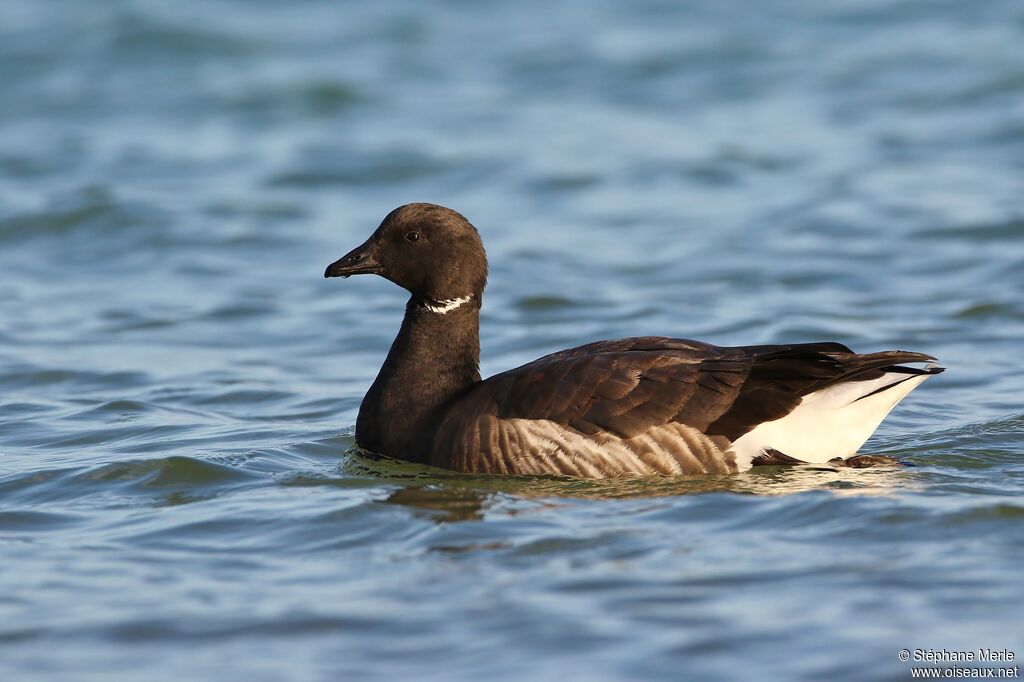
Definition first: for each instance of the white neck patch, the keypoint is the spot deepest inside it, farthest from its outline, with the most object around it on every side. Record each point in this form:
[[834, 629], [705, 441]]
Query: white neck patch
[[446, 306]]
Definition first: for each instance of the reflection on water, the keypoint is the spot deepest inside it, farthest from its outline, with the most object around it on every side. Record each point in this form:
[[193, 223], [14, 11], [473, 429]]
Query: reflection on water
[[462, 496], [451, 504]]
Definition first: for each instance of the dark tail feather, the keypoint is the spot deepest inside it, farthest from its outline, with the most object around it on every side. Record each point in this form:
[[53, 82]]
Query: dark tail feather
[[888, 361]]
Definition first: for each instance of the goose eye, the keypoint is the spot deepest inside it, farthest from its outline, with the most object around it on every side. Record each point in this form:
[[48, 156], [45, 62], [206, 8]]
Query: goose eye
[[412, 236]]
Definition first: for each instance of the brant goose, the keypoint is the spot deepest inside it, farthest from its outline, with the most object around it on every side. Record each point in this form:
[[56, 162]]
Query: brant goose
[[631, 407]]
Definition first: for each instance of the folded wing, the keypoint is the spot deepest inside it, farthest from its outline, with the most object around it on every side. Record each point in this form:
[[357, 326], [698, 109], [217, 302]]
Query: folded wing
[[641, 406]]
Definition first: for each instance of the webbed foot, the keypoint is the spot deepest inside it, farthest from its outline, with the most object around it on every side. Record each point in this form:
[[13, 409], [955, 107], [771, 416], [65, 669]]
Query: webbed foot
[[865, 461]]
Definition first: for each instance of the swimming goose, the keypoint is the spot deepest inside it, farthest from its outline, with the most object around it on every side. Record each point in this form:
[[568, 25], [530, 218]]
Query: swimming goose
[[632, 407]]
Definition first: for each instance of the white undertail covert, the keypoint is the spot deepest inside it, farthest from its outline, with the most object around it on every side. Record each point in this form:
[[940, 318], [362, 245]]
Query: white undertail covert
[[830, 423]]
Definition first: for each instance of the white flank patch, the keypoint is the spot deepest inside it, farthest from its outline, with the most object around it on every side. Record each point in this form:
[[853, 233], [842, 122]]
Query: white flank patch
[[830, 423], [444, 307]]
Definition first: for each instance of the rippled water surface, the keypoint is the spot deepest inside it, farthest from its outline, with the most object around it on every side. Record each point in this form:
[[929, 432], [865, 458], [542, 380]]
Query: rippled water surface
[[179, 384]]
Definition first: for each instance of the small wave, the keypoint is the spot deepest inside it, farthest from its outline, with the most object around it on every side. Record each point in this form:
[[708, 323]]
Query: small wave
[[29, 376], [163, 479], [136, 35], [307, 97], [322, 168], [35, 521], [93, 212], [170, 471], [982, 232]]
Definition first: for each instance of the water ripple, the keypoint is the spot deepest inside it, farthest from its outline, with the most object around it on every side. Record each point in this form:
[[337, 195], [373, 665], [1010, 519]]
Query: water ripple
[[180, 492]]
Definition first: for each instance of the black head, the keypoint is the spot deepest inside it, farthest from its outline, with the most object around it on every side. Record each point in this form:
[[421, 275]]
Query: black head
[[430, 250]]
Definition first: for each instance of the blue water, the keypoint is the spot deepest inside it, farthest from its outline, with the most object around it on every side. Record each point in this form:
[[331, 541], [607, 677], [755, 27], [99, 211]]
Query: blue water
[[179, 498]]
